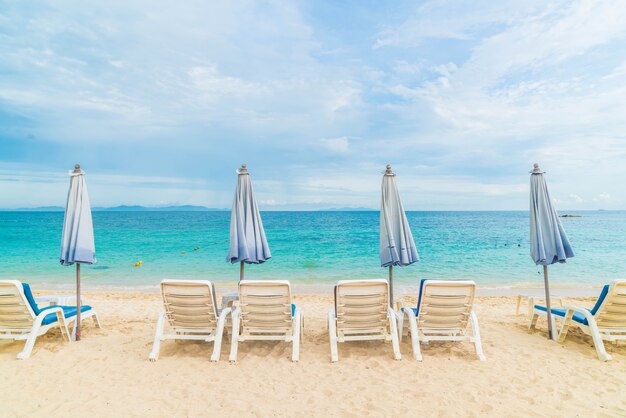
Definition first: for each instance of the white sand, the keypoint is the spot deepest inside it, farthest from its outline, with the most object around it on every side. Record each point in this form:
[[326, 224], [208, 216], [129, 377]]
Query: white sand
[[108, 373]]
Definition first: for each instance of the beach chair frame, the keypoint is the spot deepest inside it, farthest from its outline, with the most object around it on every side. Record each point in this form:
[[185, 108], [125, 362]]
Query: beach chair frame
[[19, 322], [362, 313], [265, 314], [445, 310], [607, 324], [191, 313]]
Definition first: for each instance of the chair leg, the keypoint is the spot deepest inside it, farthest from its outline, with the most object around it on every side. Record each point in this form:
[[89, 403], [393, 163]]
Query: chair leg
[[219, 332], [400, 322], [393, 327], [65, 333], [531, 306], [477, 342], [597, 341], [567, 320], [96, 320], [519, 301], [156, 345], [533, 320], [30, 343], [234, 340], [332, 333], [295, 349], [414, 335]]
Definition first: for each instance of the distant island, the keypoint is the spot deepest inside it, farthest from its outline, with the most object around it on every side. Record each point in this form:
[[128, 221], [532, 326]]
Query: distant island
[[347, 209], [124, 208], [571, 216]]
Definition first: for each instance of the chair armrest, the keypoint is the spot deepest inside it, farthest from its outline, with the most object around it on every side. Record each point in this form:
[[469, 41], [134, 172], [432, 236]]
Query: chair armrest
[[569, 311], [39, 318]]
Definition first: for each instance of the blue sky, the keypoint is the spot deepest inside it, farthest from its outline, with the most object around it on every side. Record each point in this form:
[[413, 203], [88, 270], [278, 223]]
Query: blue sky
[[161, 101]]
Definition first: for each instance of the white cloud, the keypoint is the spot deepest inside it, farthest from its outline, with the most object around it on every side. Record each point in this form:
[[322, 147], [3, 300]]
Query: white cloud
[[462, 98], [453, 20], [338, 145]]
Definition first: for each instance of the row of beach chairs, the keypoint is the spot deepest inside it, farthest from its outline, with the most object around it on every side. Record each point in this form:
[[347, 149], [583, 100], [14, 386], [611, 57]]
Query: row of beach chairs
[[361, 312], [265, 311]]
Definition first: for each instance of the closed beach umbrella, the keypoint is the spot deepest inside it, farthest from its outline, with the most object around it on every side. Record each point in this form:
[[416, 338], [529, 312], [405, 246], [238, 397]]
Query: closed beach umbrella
[[397, 247], [548, 241], [247, 236], [77, 244]]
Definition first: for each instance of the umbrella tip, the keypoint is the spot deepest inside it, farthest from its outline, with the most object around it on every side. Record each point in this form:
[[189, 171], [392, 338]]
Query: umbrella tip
[[76, 168], [243, 169], [536, 168], [389, 171]]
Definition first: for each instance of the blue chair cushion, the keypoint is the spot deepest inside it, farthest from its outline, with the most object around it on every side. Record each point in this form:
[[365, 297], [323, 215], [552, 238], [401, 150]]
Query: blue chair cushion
[[293, 309], [605, 291], [68, 311], [561, 312], [578, 317], [31, 299], [419, 296]]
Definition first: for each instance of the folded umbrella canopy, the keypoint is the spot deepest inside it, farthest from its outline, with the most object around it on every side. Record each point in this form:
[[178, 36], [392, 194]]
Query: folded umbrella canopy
[[77, 243], [548, 241], [397, 247], [247, 236]]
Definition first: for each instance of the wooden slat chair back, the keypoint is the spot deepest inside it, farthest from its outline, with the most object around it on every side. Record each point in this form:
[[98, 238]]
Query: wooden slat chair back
[[16, 313], [21, 318], [362, 313], [265, 312], [190, 310], [362, 309], [190, 306], [444, 312], [611, 315], [445, 307], [265, 308]]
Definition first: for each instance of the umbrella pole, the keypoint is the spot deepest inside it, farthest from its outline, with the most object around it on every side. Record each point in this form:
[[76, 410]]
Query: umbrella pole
[[548, 308], [77, 301], [391, 286], [240, 270]]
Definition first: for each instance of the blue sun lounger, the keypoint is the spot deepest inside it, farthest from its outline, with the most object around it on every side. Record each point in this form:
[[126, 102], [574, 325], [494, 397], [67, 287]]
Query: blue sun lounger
[[22, 319], [606, 321]]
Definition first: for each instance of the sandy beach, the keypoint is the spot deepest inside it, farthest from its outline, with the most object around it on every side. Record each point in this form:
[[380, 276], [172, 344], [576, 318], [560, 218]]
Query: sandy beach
[[108, 372]]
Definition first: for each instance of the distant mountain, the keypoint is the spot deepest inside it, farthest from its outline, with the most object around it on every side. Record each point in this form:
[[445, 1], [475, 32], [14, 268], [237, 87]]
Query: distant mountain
[[38, 209], [137, 208], [347, 209], [123, 208]]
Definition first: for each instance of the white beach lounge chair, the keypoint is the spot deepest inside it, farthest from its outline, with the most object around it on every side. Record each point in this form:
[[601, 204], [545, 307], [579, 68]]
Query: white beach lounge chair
[[605, 321], [191, 312], [265, 312], [444, 311], [22, 319], [362, 313]]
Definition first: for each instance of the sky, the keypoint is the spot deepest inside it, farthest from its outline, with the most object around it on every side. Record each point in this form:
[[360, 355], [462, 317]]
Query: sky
[[161, 101]]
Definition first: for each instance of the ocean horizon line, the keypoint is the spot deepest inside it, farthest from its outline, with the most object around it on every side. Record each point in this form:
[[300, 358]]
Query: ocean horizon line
[[198, 208]]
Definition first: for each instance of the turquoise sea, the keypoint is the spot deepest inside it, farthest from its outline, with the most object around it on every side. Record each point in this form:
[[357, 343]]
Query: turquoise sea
[[491, 248]]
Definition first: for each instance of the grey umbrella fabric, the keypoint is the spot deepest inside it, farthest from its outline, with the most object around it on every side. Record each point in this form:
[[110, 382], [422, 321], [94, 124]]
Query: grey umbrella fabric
[[77, 242], [248, 243], [548, 241], [397, 247]]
